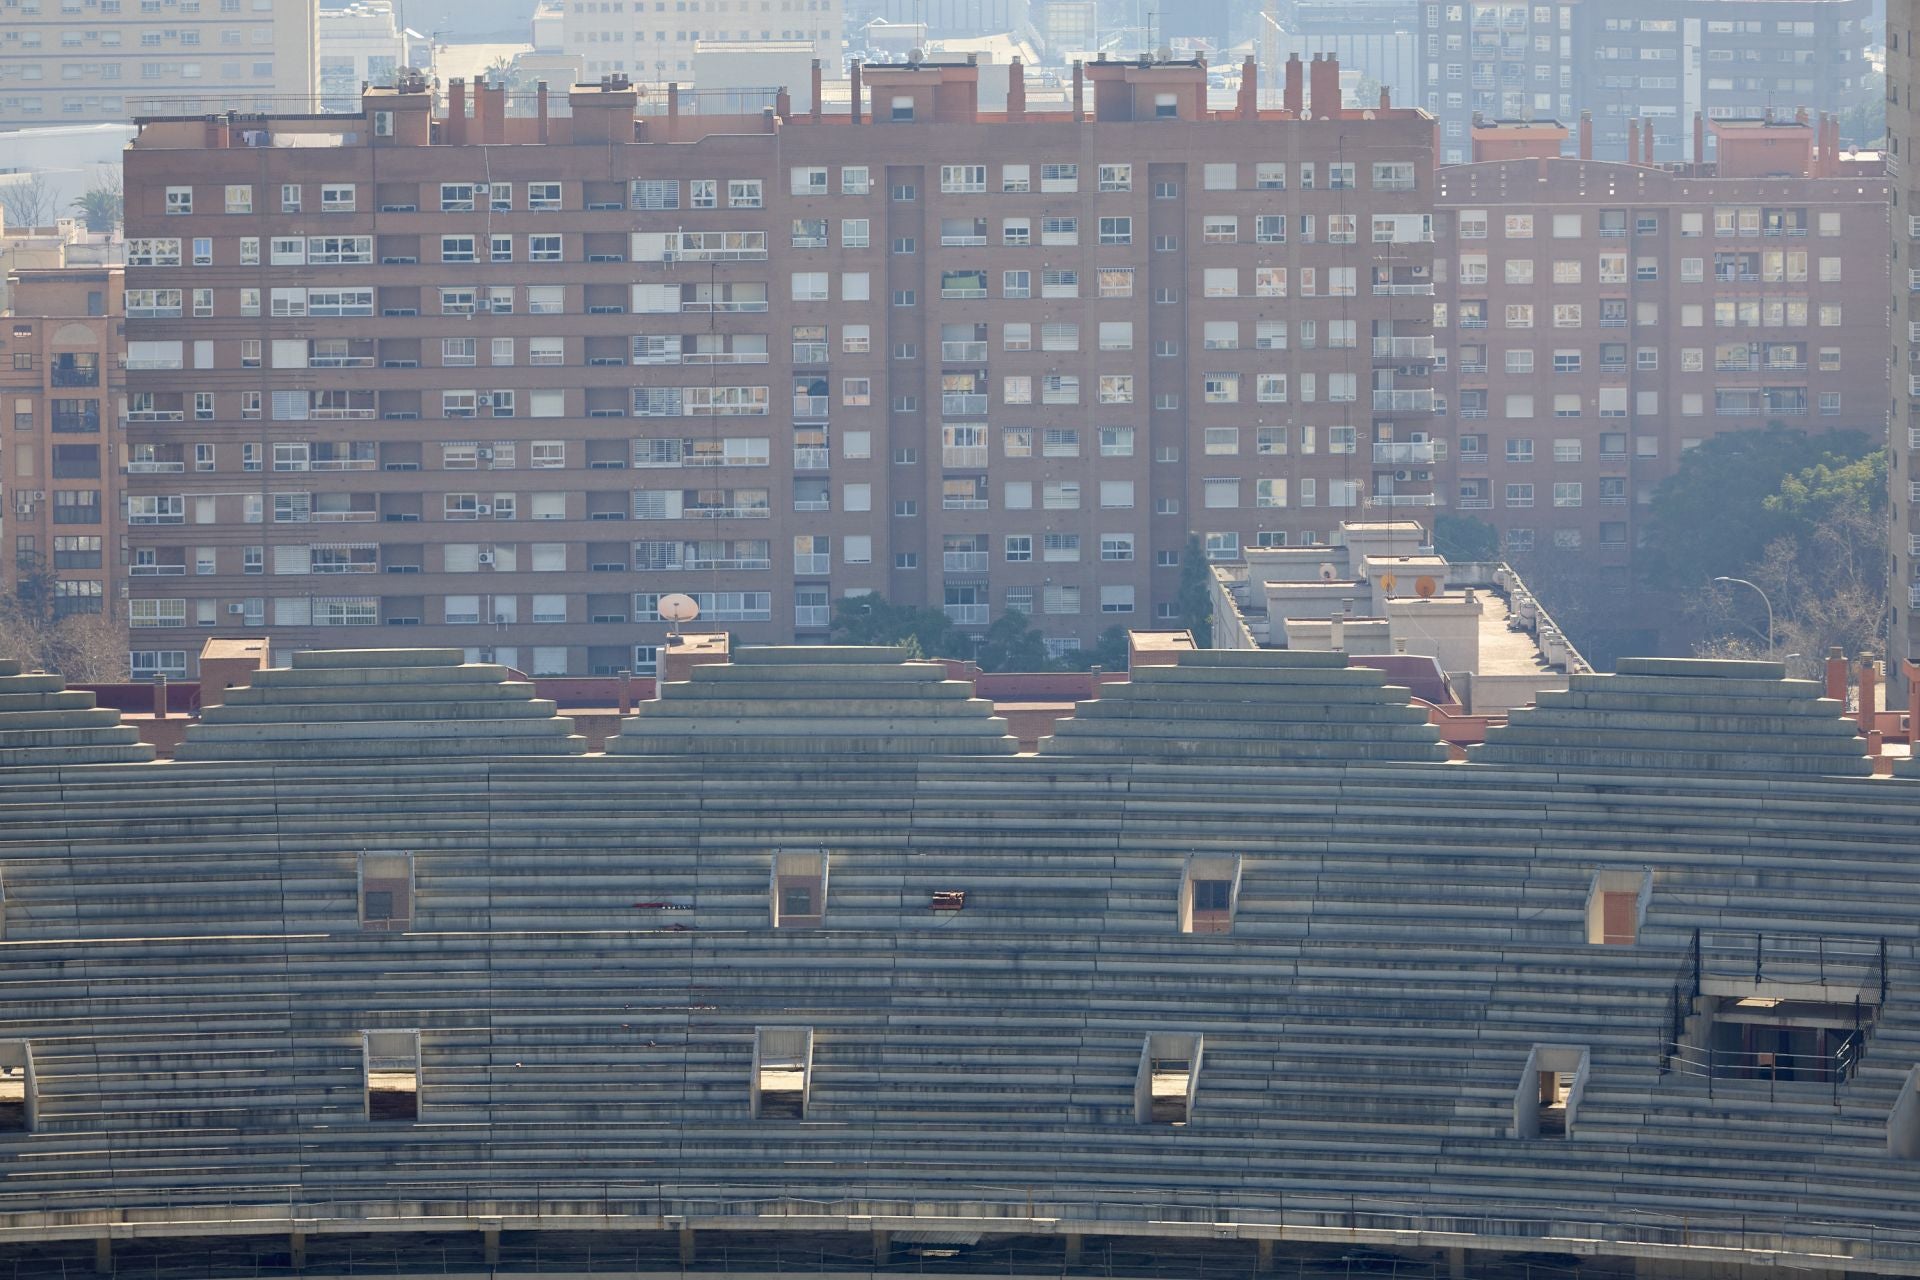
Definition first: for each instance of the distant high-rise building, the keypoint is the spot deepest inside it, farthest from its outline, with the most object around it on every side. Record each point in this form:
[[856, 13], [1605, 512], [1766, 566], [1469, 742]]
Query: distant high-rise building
[[360, 44], [58, 66], [658, 42]]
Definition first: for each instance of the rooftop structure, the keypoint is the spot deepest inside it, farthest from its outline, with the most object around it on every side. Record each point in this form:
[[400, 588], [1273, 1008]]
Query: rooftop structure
[[664, 320], [1642, 1000], [1381, 593]]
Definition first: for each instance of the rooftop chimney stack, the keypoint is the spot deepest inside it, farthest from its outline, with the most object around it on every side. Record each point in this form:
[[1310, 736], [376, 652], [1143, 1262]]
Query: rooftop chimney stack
[[1633, 141], [1646, 143], [1294, 99], [1586, 135], [1699, 138], [456, 111], [1324, 88], [540, 106], [1016, 91], [1250, 89], [853, 81], [1079, 92]]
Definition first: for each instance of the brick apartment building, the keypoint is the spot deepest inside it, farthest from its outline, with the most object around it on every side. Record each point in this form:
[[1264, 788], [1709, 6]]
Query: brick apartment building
[[1601, 318], [503, 382], [62, 63], [60, 355], [1903, 442]]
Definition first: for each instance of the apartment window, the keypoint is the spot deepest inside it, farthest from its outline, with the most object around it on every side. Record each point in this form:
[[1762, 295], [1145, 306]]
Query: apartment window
[[239, 199]]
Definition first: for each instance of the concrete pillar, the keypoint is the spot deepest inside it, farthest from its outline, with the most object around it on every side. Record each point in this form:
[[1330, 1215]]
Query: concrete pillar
[[490, 1242], [686, 1246], [1263, 1256], [1863, 714], [626, 692], [297, 1248], [882, 1247], [1456, 1264], [1073, 1248], [103, 1256], [1837, 675], [160, 697]]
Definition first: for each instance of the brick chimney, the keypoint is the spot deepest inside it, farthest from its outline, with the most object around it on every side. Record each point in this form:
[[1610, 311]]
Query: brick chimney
[[1646, 143], [1633, 141], [814, 102], [1324, 87], [853, 79], [1250, 89], [1699, 138], [456, 111], [1079, 92], [1016, 91], [1586, 135], [1295, 99]]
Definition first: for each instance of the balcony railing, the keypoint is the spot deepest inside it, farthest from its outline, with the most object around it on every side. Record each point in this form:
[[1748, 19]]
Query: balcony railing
[[807, 457], [811, 564], [144, 415], [963, 352], [1415, 453], [968, 456], [1473, 367], [1420, 348], [1409, 401], [343, 517], [154, 468], [66, 377], [323, 415], [1403, 290], [1403, 500], [813, 504], [963, 504], [1475, 504], [963, 562], [811, 406], [966, 403], [967, 615], [157, 571], [343, 362], [729, 513]]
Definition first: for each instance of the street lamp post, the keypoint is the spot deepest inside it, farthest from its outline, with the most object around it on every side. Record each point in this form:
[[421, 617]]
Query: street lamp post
[[1763, 600]]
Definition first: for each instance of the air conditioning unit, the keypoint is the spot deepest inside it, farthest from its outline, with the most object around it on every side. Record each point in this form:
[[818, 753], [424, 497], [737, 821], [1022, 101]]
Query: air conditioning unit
[[1403, 475], [484, 400], [1422, 475], [236, 609], [38, 495], [482, 189], [1420, 273], [485, 455], [486, 557], [501, 620], [486, 655], [484, 509]]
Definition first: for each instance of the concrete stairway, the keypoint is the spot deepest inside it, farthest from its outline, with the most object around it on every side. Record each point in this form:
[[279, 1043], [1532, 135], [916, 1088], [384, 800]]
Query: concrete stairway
[[44, 723], [1252, 705], [374, 703], [812, 699], [1683, 716]]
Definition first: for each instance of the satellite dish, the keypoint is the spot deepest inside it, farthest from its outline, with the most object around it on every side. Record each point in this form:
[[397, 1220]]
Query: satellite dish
[[1388, 582], [1327, 571], [678, 608], [1425, 587]]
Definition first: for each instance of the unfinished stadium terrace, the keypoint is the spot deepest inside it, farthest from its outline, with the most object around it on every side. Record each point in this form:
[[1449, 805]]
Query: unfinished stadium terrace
[[813, 969]]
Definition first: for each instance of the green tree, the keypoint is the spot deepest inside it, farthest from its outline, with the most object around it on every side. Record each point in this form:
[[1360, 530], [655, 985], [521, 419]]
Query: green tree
[[1109, 652], [1714, 516], [1865, 123], [1013, 643], [873, 619], [103, 205], [1195, 600], [1466, 539]]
